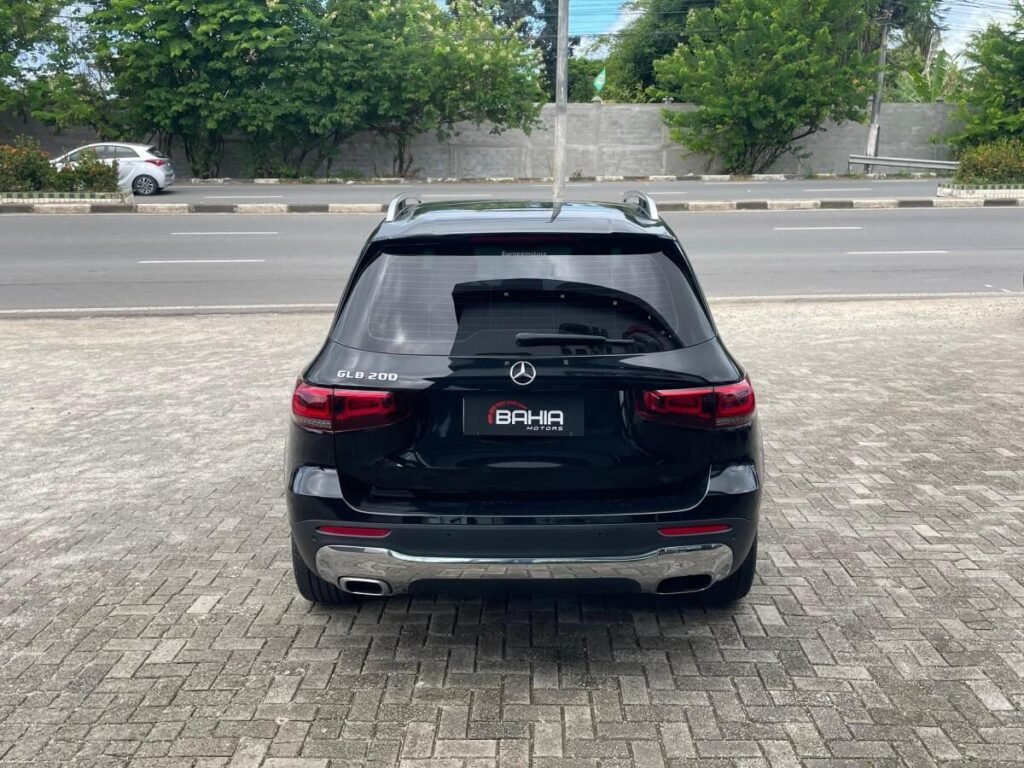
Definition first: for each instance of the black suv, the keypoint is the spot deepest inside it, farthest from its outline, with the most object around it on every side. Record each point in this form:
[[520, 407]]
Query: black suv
[[524, 393]]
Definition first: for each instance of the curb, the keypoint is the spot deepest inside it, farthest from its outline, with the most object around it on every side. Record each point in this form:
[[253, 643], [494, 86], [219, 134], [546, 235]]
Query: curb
[[691, 177], [694, 206]]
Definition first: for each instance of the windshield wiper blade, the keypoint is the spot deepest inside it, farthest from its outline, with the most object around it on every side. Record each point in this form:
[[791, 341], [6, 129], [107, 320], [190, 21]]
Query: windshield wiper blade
[[543, 339]]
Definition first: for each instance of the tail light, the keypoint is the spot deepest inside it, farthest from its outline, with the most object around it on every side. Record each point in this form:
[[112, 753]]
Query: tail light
[[344, 410], [158, 162], [732, 405]]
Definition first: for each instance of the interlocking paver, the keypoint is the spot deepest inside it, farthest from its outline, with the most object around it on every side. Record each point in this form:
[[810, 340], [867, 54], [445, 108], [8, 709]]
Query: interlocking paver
[[148, 618]]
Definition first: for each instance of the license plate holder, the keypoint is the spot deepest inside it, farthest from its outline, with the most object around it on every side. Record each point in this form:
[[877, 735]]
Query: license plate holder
[[514, 414]]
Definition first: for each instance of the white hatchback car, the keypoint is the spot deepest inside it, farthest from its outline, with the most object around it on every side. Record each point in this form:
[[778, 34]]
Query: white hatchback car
[[141, 168]]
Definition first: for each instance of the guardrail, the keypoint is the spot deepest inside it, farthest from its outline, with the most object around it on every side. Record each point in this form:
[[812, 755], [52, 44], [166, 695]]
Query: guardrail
[[901, 162]]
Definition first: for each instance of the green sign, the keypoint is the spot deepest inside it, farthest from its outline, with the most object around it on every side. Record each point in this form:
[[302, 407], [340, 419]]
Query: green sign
[[599, 80]]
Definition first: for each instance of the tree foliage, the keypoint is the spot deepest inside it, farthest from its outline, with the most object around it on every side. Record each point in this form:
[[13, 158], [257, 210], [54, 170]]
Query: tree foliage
[[661, 27], [199, 70], [27, 29], [536, 23], [649, 37], [582, 72], [432, 69], [914, 79], [293, 79], [993, 106], [765, 74]]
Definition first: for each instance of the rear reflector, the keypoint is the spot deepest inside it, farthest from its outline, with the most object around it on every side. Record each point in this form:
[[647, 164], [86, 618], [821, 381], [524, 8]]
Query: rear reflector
[[364, 533], [732, 405], [693, 530], [343, 410]]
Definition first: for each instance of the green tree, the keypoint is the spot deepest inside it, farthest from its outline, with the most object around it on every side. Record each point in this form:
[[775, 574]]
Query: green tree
[[536, 23], [581, 78], [433, 68], [655, 33], [199, 70], [938, 79], [993, 106], [73, 89], [306, 97], [27, 29], [765, 74]]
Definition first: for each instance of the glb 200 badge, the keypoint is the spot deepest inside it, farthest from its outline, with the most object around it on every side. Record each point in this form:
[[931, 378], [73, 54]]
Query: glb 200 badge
[[368, 375]]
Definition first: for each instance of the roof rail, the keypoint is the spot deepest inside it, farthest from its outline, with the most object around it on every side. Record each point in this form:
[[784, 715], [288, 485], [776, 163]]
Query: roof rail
[[644, 203], [398, 205]]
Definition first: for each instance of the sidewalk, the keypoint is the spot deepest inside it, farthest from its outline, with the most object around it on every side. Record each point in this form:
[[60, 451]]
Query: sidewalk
[[148, 618]]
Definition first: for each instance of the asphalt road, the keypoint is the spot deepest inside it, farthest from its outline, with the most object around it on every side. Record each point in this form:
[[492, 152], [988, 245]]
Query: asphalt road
[[66, 261], [795, 189]]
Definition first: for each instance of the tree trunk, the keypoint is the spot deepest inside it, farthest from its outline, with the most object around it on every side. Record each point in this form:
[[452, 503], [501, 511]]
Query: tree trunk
[[402, 165]]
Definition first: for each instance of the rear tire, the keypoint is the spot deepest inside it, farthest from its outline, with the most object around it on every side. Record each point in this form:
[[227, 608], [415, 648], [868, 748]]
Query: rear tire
[[735, 587], [312, 587], [145, 186]]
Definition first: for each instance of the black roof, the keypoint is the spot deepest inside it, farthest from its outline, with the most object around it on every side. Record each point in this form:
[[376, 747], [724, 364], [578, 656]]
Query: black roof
[[518, 217]]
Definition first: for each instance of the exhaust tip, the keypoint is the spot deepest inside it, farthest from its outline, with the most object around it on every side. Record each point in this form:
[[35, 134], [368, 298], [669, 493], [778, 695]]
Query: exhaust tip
[[680, 585], [364, 587]]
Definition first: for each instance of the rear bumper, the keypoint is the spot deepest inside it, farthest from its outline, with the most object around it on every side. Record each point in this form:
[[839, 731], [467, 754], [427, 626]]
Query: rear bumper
[[432, 553], [671, 570]]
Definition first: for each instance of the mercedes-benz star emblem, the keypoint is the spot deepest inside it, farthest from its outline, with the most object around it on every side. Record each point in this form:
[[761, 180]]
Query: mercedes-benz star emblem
[[523, 373]]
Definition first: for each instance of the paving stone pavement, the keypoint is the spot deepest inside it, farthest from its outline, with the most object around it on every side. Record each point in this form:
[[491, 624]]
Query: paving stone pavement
[[148, 616]]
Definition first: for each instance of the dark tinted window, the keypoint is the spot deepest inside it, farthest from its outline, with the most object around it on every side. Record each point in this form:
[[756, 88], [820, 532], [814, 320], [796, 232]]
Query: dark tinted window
[[125, 153], [479, 303], [156, 153]]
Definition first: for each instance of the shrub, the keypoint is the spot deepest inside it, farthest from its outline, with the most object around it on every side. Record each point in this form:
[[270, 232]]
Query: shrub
[[995, 162], [87, 175], [24, 167]]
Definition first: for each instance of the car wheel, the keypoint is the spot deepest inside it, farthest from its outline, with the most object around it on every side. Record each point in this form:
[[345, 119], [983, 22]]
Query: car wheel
[[145, 186], [312, 587], [734, 587]]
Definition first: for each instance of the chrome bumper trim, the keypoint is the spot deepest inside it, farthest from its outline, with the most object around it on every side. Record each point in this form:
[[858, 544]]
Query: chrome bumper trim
[[399, 570]]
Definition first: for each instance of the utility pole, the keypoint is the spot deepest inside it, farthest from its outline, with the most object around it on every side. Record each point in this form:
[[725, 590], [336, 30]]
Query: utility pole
[[561, 99], [876, 103]]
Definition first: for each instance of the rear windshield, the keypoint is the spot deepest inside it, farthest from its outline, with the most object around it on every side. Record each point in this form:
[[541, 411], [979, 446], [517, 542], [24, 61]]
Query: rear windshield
[[497, 301], [156, 152]]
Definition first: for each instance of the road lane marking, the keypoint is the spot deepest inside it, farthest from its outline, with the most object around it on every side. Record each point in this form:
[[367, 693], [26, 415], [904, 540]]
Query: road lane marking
[[457, 194], [201, 261], [224, 233], [893, 253], [238, 197], [812, 229], [840, 189]]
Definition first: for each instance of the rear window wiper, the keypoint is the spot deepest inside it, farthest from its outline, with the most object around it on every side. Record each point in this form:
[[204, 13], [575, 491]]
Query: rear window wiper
[[544, 339]]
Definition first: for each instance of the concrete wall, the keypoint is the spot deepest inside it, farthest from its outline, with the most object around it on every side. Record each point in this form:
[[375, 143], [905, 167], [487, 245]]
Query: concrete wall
[[604, 140]]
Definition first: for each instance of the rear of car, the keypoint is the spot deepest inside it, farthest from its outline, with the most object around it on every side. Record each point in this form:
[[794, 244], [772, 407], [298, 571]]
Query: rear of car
[[515, 396]]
